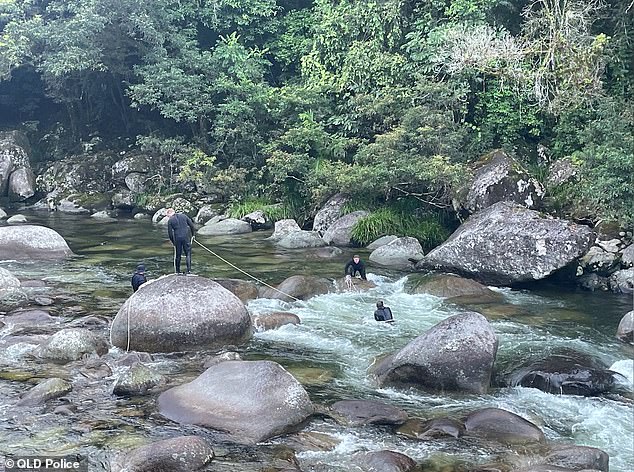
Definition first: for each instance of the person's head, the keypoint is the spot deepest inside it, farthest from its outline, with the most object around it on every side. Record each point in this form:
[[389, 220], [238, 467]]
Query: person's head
[[140, 268], [170, 212], [379, 304], [356, 258]]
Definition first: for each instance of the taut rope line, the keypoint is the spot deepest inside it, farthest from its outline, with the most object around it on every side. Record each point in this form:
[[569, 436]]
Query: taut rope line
[[244, 272]]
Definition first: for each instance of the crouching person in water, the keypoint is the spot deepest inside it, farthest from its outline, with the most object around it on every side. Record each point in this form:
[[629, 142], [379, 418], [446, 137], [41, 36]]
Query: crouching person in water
[[383, 313]]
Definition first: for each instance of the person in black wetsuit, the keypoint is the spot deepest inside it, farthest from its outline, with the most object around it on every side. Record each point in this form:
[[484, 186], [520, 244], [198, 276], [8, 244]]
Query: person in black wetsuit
[[354, 267], [383, 313], [180, 229], [138, 278]]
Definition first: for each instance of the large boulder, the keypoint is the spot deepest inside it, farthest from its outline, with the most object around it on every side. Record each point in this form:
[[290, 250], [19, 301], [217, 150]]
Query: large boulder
[[21, 184], [182, 454], [383, 461], [507, 244], [500, 178], [622, 281], [627, 257], [283, 228], [131, 164], [11, 294], [457, 354], [431, 429], [14, 153], [329, 213], [301, 240], [250, 401], [625, 331], [226, 226], [569, 373], [502, 426], [382, 241], [339, 233], [243, 289], [561, 172], [598, 260], [402, 253], [6, 166], [177, 312], [71, 344], [29, 242], [301, 287]]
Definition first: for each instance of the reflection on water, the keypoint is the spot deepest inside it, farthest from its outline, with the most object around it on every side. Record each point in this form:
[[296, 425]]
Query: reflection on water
[[329, 352]]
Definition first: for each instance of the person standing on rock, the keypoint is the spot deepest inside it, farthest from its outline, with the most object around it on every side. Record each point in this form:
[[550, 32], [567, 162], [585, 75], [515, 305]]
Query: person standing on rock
[[180, 229], [354, 267], [138, 278], [383, 313]]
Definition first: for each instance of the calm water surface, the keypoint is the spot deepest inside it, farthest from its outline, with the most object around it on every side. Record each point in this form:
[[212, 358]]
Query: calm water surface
[[329, 353]]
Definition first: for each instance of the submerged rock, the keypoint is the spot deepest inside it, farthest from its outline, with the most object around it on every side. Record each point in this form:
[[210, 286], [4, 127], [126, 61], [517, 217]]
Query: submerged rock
[[571, 373], [456, 355], [502, 426], [227, 226], [70, 345], [251, 401], [267, 321], [302, 287], [29, 242], [44, 391], [137, 380], [360, 412], [383, 461], [301, 240], [243, 289], [431, 429], [579, 458], [175, 313], [451, 286], [508, 244], [183, 454]]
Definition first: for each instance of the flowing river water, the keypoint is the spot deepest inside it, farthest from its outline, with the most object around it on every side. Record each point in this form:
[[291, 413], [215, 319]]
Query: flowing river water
[[329, 353]]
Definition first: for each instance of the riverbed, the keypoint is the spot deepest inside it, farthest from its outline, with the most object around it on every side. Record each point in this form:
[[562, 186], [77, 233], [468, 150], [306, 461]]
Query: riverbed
[[329, 353]]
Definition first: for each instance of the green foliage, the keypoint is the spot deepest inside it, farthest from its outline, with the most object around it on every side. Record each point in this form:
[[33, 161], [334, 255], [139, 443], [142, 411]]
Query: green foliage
[[390, 221], [273, 211]]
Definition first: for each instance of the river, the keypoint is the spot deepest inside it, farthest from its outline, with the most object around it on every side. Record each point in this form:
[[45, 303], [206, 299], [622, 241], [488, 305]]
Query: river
[[329, 352]]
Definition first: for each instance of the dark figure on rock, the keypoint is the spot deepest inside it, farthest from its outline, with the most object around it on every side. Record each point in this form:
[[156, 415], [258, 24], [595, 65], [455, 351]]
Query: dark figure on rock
[[355, 267], [180, 229]]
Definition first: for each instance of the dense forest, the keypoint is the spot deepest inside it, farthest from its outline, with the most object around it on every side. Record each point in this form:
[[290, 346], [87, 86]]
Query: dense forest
[[292, 101]]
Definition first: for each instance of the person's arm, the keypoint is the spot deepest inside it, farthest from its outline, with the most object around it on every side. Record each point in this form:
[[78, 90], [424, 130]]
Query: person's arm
[[190, 223], [389, 316], [362, 270], [376, 316], [170, 230], [347, 270]]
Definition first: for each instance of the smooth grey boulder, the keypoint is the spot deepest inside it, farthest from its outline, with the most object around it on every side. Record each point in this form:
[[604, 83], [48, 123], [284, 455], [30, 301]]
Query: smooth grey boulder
[[382, 241], [137, 380], [132, 163], [277, 319], [205, 213], [329, 213], [21, 184], [3, 214], [627, 257], [6, 166], [383, 461], [226, 226], [29, 242], [339, 233], [71, 344], [14, 153], [500, 178], [457, 354], [8, 280], [182, 454], [579, 458], [44, 391], [402, 253], [361, 412], [102, 216], [257, 219], [301, 287], [250, 401], [502, 426], [283, 228], [178, 312], [71, 206], [598, 260], [625, 331], [622, 281], [301, 240], [508, 244]]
